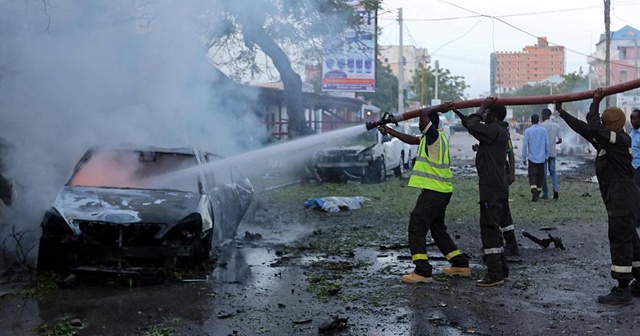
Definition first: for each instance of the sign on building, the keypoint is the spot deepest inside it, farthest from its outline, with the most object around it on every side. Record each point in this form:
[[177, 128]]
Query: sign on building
[[349, 59], [628, 99]]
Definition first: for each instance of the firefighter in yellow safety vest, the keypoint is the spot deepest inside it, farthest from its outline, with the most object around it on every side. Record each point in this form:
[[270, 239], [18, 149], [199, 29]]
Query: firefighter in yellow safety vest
[[432, 174]]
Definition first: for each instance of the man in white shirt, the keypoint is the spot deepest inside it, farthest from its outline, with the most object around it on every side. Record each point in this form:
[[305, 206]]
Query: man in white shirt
[[553, 131], [634, 118]]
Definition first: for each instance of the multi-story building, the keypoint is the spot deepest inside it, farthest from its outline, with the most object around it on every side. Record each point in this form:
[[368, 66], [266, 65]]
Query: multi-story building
[[412, 56], [624, 54], [511, 70]]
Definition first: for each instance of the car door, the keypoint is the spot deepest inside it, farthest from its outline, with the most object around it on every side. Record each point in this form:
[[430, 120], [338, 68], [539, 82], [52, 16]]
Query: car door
[[230, 198]]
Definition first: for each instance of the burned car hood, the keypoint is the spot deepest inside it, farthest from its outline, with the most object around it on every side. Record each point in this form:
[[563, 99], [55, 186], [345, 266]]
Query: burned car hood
[[124, 206]]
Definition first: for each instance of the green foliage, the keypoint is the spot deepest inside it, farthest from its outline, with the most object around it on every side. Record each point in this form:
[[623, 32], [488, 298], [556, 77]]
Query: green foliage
[[44, 284], [156, 330], [295, 27], [60, 328], [579, 201], [573, 82], [450, 87], [386, 95]]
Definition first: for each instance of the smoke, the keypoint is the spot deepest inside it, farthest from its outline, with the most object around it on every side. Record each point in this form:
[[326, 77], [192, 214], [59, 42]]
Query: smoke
[[76, 73]]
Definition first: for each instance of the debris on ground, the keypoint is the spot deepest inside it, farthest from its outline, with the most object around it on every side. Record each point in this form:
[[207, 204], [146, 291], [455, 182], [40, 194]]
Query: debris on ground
[[251, 236], [557, 242], [335, 203], [335, 323]]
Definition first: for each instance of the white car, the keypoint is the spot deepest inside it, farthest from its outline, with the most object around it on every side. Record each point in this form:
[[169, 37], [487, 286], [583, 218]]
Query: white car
[[368, 158]]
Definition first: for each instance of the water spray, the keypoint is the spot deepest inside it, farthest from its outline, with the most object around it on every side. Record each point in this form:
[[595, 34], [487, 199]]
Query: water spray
[[533, 100]]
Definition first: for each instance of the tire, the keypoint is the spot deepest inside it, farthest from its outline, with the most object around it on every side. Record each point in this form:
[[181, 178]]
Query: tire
[[399, 170], [382, 171], [376, 172], [409, 164]]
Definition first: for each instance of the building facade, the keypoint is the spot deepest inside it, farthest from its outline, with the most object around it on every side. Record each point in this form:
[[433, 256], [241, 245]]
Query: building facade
[[411, 55], [624, 57], [511, 70]]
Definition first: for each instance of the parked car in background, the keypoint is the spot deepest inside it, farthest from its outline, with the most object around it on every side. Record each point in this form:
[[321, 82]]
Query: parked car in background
[[368, 158], [456, 127], [141, 211]]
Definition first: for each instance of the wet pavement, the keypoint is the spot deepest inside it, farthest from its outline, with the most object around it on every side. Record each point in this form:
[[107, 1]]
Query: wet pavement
[[262, 286]]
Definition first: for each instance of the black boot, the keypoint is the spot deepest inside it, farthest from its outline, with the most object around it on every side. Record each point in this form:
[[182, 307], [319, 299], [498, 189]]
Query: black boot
[[495, 275], [505, 268], [511, 245], [617, 296], [635, 288]]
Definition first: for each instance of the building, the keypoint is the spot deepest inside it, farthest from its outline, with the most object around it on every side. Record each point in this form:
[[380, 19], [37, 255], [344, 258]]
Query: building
[[624, 56], [412, 58], [511, 70]]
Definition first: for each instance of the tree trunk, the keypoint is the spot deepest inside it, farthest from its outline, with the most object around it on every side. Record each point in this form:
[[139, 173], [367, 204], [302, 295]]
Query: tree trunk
[[290, 79]]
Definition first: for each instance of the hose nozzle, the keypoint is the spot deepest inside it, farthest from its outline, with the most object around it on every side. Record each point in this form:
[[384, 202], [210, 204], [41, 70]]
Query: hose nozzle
[[387, 118]]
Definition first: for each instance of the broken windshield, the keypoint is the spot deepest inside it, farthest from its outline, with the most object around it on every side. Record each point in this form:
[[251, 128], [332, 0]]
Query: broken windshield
[[135, 169]]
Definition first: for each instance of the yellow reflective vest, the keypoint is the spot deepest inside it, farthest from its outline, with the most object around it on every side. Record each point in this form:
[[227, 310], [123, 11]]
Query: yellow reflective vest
[[432, 170]]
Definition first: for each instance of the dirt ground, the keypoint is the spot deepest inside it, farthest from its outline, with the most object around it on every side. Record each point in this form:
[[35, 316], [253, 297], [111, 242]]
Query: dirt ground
[[299, 269]]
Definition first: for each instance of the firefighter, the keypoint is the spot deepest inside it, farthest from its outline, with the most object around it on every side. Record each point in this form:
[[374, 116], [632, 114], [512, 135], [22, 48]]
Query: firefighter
[[432, 174], [619, 192], [492, 182], [506, 220]]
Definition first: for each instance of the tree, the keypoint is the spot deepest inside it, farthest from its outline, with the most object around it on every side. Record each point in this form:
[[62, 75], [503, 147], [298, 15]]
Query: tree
[[450, 87], [572, 82], [286, 31]]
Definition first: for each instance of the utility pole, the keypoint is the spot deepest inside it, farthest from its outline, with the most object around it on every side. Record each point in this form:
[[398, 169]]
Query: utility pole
[[400, 67], [437, 79], [607, 48], [421, 66]]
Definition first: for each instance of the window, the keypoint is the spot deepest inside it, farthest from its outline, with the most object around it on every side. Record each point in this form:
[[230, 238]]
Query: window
[[623, 54]]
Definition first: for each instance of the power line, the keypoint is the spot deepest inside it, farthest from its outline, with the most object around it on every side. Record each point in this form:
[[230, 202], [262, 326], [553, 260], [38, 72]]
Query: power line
[[530, 34], [477, 15]]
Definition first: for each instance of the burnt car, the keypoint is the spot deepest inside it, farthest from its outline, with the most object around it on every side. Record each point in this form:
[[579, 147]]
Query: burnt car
[[367, 158], [142, 211]]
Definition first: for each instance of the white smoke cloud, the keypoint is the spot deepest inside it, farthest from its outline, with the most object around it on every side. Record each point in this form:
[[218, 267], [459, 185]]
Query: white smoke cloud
[[76, 73]]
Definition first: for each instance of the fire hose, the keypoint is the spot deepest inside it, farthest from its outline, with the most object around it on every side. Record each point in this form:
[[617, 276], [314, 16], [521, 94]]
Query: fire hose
[[532, 100]]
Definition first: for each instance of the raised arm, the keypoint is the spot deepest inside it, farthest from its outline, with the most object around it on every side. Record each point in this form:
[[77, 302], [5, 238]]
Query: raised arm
[[477, 129], [406, 138], [575, 124]]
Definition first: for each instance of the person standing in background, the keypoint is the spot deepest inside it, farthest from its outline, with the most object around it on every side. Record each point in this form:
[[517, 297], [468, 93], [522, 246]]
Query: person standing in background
[[506, 220], [635, 149], [553, 132], [535, 151]]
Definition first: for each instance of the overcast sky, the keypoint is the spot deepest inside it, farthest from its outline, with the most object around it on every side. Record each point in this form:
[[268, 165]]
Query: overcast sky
[[461, 34]]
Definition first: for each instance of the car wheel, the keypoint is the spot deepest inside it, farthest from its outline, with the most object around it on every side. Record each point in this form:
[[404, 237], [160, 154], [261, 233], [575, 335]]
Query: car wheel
[[399, 170], [376, 172], [382, 170]]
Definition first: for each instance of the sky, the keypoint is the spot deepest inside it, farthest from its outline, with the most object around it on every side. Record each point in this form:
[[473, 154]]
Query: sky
[[461, 34]]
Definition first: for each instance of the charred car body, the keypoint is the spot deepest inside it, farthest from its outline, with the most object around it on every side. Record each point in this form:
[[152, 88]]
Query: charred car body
[[142, 211], [367, 158]]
